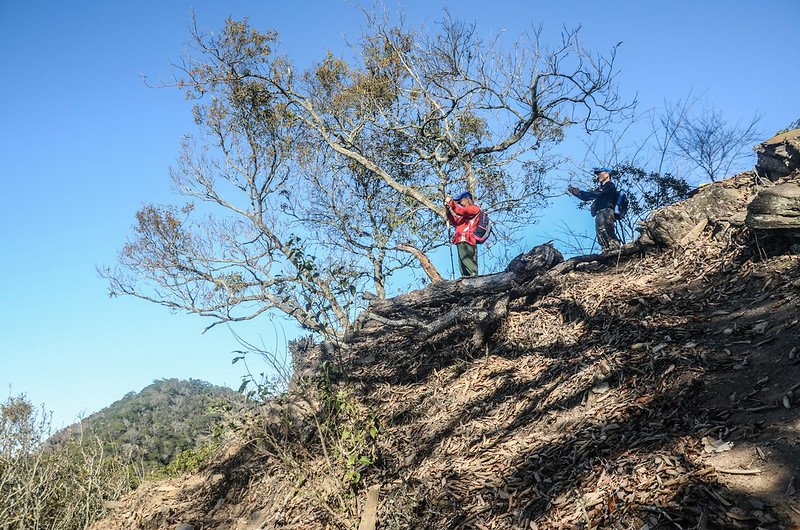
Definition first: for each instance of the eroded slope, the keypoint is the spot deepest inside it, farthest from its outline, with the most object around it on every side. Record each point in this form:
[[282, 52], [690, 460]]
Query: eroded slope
[[654, 390]]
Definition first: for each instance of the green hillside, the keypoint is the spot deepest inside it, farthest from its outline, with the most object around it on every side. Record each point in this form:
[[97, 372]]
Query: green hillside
[[158, 423]]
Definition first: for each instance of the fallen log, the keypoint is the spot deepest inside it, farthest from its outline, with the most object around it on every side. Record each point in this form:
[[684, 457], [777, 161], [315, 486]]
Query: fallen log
[[606, 257], [477, 304], [485, 317], [522, 269]]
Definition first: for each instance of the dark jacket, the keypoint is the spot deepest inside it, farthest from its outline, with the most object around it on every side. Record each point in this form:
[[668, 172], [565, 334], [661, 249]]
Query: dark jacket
[[605, 196]]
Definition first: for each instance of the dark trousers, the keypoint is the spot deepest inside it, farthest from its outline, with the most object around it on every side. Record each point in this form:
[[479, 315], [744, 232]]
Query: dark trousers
[[604, 226], [467, 259]]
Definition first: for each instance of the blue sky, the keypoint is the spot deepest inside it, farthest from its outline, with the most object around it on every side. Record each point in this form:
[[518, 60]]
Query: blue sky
[[84, 143]]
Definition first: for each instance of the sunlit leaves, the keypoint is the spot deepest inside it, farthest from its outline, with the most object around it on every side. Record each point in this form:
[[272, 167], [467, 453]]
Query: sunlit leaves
[[159, 237], [315, 185]]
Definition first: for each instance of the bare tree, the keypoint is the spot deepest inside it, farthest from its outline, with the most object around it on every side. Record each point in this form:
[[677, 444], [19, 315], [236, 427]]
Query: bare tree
[[311, 187], [713, 144], [653, 154]]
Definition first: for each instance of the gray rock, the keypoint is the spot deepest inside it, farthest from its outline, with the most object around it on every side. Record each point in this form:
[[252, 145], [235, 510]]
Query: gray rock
[[776, 208], [669, 226], [779, 156], [185, 526]]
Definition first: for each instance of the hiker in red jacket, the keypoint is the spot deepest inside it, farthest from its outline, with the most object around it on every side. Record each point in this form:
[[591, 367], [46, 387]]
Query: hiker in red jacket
[[463, 214]]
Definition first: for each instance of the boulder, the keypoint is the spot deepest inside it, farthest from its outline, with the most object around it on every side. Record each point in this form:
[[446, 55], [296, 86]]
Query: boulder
[[779, 156], [673, 226], [776, 208]]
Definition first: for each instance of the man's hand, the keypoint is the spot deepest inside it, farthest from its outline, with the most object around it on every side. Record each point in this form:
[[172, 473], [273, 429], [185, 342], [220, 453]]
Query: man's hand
[[448, 199], [573, 190]]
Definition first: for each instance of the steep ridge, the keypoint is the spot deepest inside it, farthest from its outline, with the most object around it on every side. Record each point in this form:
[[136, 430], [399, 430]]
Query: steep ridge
[[656, 388]]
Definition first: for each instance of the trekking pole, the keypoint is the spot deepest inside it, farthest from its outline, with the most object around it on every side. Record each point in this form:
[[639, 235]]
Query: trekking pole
[[452, 263], [623, 235]]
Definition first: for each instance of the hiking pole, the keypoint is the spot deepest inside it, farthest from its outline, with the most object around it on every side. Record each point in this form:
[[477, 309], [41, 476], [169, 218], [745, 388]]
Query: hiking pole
[[619, 229], [452, 263]]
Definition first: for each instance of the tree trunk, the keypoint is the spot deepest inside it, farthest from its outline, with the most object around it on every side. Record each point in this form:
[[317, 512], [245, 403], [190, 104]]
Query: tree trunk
[[522, 269], [475, 303], [424, 262]]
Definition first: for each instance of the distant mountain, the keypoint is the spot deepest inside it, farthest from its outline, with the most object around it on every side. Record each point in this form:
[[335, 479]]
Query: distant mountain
[[159, 422]]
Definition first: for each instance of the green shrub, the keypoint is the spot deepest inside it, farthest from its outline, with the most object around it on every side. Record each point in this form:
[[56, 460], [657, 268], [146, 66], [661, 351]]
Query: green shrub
[[189, 460]]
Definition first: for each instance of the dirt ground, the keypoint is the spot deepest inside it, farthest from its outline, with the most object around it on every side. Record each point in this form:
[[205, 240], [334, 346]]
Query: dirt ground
[[659, 390]]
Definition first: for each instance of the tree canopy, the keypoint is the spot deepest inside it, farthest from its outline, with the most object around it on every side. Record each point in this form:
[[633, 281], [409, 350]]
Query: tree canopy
[[308, 187]]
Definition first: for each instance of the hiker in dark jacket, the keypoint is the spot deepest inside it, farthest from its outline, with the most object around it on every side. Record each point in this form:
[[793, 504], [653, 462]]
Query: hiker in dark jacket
[[463, 215], [605, 198]]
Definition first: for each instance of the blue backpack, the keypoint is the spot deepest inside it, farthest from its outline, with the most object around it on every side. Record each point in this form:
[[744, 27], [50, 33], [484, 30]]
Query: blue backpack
[[621, 206]]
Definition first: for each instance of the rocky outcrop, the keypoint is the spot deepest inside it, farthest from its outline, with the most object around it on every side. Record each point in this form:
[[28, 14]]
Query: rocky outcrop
[[718, 202], [779, 156], [776, 208]]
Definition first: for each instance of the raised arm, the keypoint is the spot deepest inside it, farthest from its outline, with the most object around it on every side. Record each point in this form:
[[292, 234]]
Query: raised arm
[[586, 195], [464, 211]]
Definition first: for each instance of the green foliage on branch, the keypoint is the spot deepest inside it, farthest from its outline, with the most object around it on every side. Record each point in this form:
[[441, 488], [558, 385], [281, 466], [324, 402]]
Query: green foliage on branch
[[646, 191], [348, 427]]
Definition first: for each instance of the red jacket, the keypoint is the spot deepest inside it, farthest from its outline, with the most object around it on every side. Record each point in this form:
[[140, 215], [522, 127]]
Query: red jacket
[[465, 220]]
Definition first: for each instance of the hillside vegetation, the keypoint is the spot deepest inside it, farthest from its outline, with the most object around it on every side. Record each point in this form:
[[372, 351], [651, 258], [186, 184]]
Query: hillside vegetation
[[67, 480], [161, 421], [651, 388]]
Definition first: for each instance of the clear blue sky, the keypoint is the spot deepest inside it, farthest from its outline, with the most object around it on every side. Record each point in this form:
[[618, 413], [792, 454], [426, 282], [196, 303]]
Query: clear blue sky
[[84, 143]]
